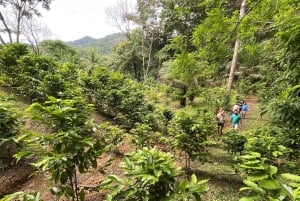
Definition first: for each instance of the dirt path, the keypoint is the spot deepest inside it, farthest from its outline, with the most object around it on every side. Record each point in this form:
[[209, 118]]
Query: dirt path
[[251, 115]]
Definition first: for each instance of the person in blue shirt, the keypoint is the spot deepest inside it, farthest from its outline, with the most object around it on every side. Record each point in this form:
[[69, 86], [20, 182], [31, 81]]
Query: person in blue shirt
[[244, 109], [235, 119]]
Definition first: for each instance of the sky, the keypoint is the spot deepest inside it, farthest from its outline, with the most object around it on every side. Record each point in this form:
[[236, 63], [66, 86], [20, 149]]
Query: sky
[[70, 20]]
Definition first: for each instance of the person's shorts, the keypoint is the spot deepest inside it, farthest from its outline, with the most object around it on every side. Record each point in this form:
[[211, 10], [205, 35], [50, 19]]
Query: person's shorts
[[235, 126], [221, 125]]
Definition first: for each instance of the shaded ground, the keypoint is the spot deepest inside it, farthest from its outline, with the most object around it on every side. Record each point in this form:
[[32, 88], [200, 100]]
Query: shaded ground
[[13, 176]]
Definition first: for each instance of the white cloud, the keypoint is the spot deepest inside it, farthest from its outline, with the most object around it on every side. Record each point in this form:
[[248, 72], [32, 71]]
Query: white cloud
[[74, 19]]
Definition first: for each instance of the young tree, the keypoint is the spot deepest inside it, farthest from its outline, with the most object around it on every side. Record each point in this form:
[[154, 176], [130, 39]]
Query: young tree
[[152, 175], [69, 148]]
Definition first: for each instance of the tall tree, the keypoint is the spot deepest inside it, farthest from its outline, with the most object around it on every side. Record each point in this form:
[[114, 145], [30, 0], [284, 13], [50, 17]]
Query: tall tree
[[145, 34], [12, 13], [150, 31], [236, 50], [180, 17]]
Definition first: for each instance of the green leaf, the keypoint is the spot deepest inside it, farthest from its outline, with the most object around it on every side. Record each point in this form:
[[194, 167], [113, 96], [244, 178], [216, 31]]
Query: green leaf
[[81, 168], [43, 163], [269, 184], [116, 178], [194, 179], [117, 189], [285, 93], [273, 170], [21, 155], [253, 187], [257, 177], [157, 173], [69, 191], [291, 177]]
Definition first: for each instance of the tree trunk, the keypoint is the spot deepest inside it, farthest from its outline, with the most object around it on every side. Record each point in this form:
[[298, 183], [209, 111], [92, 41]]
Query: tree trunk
[[183, 95], [236, 49], [7, 29]]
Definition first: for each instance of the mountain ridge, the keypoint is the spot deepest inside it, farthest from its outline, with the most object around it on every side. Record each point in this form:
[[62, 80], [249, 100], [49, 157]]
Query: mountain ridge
[[102, 45]]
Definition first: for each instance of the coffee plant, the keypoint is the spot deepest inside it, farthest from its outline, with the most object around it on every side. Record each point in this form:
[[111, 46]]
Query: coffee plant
[[234, 142], [189, 133], [152, 175], [116, 96], [69, 149], [10, 126], [9, 55]]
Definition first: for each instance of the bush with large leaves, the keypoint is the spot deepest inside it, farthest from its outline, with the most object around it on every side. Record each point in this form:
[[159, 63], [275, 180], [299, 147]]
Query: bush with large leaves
[[264, 181], [152, 175]]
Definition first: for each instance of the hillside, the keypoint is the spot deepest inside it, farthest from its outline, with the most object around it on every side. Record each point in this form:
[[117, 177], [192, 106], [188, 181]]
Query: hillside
[[102, 45]]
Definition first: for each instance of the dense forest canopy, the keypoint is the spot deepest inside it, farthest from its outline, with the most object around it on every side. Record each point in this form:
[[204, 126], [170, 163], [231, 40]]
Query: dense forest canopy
[[205, 55]]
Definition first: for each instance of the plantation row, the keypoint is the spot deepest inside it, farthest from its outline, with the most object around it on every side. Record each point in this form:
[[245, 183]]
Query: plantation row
[[62, 97]]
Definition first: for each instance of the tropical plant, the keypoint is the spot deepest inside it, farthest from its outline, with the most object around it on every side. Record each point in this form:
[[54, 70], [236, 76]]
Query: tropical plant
[[69, 148], [144, 136], [285, 113], [33, 70], [234, 142], [264, 182], [269, 142], [152, 175], [189, 133], [167, 117]]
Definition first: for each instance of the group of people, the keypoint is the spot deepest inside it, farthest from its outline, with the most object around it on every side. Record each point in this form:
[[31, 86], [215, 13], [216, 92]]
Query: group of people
[[238, 112]]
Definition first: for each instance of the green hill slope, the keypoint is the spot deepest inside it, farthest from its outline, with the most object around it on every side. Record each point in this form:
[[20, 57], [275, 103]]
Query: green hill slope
[[103, 45]]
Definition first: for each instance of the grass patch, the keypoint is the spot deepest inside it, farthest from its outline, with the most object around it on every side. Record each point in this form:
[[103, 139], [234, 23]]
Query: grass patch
[[224, 183], [222, 191]]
